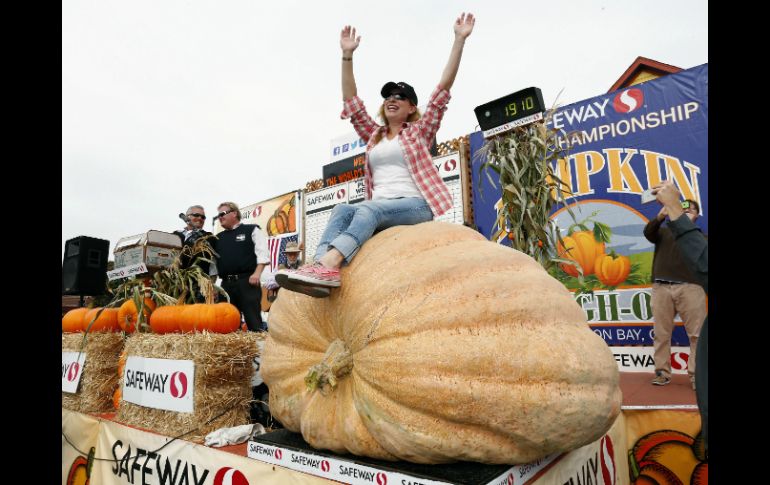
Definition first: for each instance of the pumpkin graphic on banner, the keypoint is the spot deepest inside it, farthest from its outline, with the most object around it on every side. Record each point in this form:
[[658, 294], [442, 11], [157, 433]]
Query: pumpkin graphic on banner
[[604, 239], [284, 219]]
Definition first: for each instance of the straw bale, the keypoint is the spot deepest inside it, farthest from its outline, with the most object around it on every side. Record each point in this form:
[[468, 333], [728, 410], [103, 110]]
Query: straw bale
[[100, 372], [223, 373]]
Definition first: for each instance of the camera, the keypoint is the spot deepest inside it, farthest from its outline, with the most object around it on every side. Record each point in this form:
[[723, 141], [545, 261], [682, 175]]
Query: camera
[[194, 236]]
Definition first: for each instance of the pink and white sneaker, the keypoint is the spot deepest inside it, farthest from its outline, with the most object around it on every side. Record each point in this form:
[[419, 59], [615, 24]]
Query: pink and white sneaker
[[311, 279], [316, 274]]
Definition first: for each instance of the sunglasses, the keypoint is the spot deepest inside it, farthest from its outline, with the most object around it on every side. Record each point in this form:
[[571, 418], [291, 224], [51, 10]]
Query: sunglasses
[[222, 214], [397, 97], [197, 214]]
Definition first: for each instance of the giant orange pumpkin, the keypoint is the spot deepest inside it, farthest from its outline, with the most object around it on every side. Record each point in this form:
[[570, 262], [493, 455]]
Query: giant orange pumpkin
[[72, 321], [440, 346], [582, 248]]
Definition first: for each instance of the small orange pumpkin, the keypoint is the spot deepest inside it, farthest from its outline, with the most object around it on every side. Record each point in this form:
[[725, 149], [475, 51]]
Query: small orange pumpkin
[[227, 318], [116, 397], [72, 321], [122, 363], [107, 320], [612, 269], [582, 248], [165, 319], [190, 318], [128, 314], [216, 317]]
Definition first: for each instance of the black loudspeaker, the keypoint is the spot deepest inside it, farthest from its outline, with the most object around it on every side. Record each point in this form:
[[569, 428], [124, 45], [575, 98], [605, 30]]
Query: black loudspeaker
[[84, 270]]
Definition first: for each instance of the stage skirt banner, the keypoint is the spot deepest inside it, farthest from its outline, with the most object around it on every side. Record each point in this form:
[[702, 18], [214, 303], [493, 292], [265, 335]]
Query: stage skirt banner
[[621, 144], [602, 462], [79, 437], [139, 457], [665, 447]]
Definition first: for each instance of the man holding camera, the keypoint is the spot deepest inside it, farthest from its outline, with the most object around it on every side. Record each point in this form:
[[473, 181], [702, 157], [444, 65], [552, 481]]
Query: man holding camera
[[674, 290], [195, 217]]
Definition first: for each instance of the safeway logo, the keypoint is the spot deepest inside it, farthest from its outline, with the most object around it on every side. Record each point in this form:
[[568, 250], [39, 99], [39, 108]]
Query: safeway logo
[[450, 165], [607, 460], [324, 466], [178, 384], [257, 211], [510, 479], [230, 476], [679, 360], [628, 100], [341, 194], [73, 372], [382, 479], [278, 454]]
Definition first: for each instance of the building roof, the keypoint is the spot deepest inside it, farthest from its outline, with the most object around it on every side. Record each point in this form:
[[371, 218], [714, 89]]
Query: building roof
[[643, 69]]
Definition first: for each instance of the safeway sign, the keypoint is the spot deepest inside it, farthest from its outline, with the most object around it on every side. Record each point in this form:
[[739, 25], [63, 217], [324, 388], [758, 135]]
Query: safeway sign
[[71, 370], [160, 383]]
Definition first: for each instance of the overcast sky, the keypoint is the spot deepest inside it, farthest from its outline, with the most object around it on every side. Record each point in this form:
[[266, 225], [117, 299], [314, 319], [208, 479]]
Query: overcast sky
[[171, 103]]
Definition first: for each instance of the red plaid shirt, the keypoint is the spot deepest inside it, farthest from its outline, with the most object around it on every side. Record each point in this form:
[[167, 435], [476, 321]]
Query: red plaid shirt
[[415, 138]]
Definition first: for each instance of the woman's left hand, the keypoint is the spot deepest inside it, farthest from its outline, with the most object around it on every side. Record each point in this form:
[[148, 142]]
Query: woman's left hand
[[464, 25]]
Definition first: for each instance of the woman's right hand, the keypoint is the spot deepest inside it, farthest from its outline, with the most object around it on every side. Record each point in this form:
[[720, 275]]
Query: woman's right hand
[[348, 40]]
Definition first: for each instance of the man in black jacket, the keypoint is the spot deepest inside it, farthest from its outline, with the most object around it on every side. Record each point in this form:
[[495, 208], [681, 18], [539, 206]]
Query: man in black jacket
[[242, 254]]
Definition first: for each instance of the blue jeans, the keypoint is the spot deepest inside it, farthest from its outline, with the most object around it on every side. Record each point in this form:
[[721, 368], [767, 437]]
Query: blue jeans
[[351, 225]]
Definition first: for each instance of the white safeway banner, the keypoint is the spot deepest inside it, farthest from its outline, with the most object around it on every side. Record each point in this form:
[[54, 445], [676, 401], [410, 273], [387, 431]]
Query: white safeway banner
[[160, 383]]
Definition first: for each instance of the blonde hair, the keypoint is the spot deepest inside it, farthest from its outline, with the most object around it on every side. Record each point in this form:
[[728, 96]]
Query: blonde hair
[[412, 117], [233, 206]]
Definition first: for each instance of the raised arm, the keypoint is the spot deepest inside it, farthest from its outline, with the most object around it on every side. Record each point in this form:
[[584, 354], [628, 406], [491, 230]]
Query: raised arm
[[348, 42], [463, 28]]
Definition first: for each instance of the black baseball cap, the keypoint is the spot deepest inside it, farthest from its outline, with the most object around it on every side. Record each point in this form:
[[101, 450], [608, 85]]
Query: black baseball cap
[[401, 88]]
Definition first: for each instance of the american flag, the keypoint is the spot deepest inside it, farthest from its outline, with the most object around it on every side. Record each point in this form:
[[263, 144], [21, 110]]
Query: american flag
[[277, 245]]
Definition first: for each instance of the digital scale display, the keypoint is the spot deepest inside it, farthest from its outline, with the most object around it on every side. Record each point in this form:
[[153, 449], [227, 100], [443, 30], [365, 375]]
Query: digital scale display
[[516, 109]]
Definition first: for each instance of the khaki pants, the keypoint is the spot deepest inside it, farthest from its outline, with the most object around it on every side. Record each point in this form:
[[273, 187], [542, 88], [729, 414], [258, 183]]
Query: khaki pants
[[687, 299]]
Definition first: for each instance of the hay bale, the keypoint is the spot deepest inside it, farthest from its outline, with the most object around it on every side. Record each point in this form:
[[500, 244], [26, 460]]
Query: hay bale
[[100, 372], [223, 372]]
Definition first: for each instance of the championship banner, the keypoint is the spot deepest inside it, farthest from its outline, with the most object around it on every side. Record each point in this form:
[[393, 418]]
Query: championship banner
[[640, 359], [665, 447], [621, 144], [138, 457], [79, 434]]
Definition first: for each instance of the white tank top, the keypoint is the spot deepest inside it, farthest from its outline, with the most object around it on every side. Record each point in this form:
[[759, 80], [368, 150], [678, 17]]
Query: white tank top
[[390, 176]]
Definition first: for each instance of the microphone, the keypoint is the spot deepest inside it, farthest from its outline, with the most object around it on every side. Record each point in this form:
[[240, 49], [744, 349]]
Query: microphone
[[184, 217]]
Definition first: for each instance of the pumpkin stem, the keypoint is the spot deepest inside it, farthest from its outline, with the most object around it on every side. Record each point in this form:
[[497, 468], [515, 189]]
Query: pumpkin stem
[[337, 363]]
